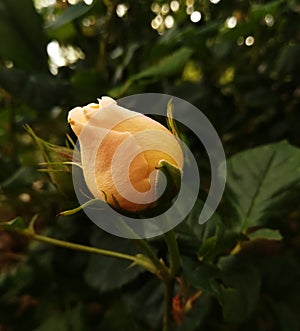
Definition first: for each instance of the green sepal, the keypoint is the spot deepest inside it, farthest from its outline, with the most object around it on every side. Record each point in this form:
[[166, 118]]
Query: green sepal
[[170, 120], [173, 176], [57, 160], [79, 208]]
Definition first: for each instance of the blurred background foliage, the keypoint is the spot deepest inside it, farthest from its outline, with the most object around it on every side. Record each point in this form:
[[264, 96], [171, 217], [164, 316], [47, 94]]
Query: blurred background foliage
[[237, 61]]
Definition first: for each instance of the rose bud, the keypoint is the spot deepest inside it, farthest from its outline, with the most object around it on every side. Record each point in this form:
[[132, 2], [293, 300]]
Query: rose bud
[[123, 155]]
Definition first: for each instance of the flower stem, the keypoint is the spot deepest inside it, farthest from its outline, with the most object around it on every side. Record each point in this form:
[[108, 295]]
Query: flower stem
[[173, 252], [168, 297], [144, 246], [169, 282], [77, 247], [139, 259]]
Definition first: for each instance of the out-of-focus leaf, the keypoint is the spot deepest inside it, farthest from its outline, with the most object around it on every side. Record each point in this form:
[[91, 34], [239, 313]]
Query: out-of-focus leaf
[[146, 303], [288, 61], [202, 276], [22, 36], [23, 177], [16, 224], [87, 85], [234, 284], [118, 318], [287, 319], [40, 90], [262, 182], [166, 67], [70, 319], [194, 318], [106, 273], [218, 244], [193, 235], [241, 288], [265, 234], [70, 14]]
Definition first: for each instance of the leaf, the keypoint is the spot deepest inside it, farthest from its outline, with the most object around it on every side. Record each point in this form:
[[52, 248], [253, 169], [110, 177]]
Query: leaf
[[146, 298], [17, 223], [70, 14], [193, 235], [196, 317], [265, 234], [106, 273], [71, 319], [285, 316], [166, 67], [221, 243], [234, 283], [39, 90], [241, 289], [202, 276], [22, 36], [288, 60], [262, 182], [118, 318]]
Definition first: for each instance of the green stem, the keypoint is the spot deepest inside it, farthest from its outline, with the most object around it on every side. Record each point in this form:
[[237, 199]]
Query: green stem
[[77, 247], [173, 253], [169, 282], [144, 246], [139, 259], [168, 297]]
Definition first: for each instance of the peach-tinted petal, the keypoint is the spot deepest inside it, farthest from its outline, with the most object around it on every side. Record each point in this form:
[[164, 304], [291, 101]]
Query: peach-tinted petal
[[120, 149]]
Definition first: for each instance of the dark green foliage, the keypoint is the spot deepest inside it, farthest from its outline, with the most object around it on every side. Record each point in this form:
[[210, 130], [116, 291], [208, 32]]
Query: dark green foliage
[[245, 259]]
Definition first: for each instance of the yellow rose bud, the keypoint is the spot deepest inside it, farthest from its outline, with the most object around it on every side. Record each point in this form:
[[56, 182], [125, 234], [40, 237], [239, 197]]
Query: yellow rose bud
[[121, 151]]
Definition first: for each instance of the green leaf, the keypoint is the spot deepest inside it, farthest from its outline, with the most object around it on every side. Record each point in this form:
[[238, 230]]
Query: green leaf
[[71, 319], [106, 273], [53, 322], [202, 238], [39, 90], [118, 318], [202, 276], [288, 61], [22, 36], [216, 245], [262, 182], [265, 234], [195, 319], [234, 283], [146, 298], [285, 316], [241, 289], [17, 223], [70, 14], [166, 67]]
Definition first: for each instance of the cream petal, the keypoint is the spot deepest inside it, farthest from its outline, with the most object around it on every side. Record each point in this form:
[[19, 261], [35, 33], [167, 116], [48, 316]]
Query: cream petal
[[158, 145], [76, 114], [77, 120], [98, 148], [106, 101], [108, 116]]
